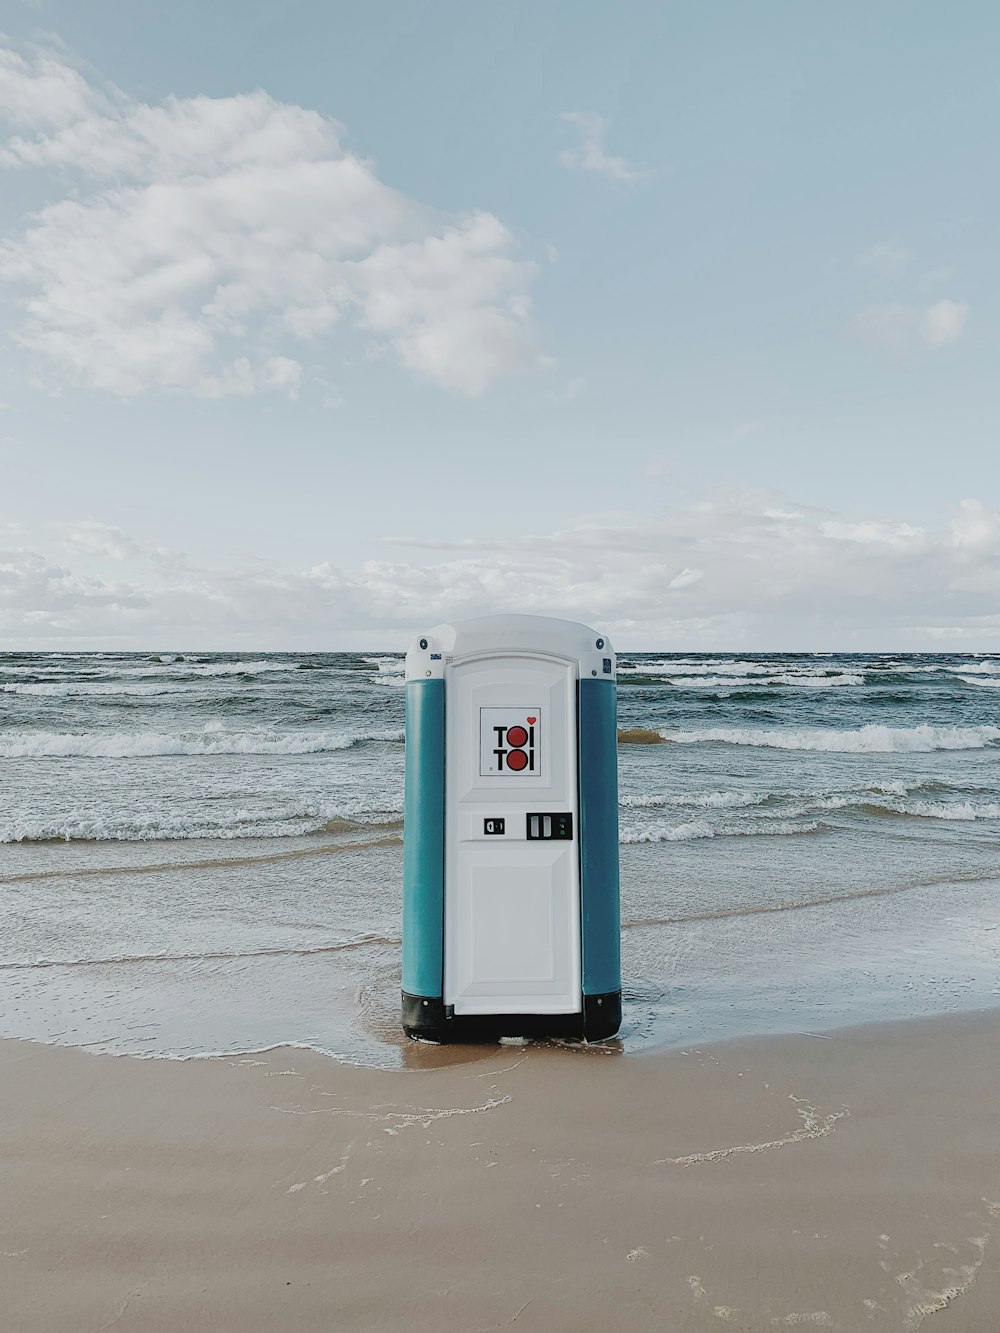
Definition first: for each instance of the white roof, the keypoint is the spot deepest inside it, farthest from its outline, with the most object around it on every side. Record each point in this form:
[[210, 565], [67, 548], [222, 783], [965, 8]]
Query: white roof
[[508, 634]]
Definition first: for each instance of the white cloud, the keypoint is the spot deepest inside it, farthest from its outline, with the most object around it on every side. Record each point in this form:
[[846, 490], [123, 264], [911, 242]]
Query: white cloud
[[743, 572], [658, 468], [591, 155], [887, 259], [937, 277], [43, 91], [899, 329], [976, 529], [871, 532], [686, 578], [571, 390], [943, 322], [207, 237], [90, 537]]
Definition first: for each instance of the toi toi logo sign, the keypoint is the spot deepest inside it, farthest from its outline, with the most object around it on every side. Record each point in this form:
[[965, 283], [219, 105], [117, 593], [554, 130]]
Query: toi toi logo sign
[[509, 741], [515, 746]]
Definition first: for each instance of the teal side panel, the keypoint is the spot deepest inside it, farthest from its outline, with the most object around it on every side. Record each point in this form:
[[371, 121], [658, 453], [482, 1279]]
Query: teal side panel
[[600, 913], [423, 840]]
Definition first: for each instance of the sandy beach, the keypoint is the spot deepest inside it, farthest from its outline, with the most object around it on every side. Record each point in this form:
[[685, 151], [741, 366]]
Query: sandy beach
[[842, 1181]]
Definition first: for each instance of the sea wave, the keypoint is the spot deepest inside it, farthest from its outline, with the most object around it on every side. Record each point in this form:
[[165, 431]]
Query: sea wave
[[987, 668], [169, 668], [687, 667], [870, 739], [210, 825], [211, 740], [963, 811], [789, 680], [89, 688], [917, 798], [697, 829], [708, 800], [391, 670]]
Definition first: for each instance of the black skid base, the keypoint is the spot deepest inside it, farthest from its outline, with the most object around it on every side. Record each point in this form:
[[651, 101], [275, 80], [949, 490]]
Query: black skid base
[[430, 1019]]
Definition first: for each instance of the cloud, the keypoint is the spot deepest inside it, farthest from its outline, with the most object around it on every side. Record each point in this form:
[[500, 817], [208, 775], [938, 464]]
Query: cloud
[[43, 91], [943, 322], [571, 390], [199, 243], [685, 578], [937, 277], [746, 571], [887, 259], [899, 329], [590, 155], [90, 537]]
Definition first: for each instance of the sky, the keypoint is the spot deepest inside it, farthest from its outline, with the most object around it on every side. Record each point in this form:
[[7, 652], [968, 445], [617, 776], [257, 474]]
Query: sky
[[325, 322]]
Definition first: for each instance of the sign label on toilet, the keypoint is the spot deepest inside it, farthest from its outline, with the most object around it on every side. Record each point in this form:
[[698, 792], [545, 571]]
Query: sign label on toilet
[[510, 742]]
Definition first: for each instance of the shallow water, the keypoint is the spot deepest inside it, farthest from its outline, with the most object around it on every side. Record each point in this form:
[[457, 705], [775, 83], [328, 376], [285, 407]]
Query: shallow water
[[203, 853]]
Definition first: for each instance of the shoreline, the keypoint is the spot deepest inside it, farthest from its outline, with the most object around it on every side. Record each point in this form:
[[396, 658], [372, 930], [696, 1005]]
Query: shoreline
[[756, 1183]]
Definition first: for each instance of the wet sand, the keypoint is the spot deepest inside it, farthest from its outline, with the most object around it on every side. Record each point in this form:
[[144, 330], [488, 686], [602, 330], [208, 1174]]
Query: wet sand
[[848, 1181]]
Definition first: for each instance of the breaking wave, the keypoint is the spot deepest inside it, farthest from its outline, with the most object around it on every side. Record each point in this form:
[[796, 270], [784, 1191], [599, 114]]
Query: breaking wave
[[697, 829], [223, 826], [89, 688], [709, 800], [212, 740], [712, 682], [166, 667], [864, 740], [391, 670]]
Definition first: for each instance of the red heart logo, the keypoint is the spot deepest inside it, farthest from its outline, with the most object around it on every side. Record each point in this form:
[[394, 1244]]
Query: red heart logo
[[532, 721]]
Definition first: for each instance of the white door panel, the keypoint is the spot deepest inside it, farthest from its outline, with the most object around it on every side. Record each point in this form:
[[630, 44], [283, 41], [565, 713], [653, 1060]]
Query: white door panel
[[512, 907]]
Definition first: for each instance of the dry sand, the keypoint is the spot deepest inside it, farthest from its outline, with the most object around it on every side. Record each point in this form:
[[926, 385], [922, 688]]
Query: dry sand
[[842, 1182]]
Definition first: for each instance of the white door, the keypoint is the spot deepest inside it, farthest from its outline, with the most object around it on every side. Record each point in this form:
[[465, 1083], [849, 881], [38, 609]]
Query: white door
[[512, 895]]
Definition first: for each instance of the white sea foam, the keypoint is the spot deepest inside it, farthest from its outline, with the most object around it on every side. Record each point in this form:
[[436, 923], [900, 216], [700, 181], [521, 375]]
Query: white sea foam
[[863, 740], [981, 680], [228, 668], [149, 828], [708, 800], [819, 682], [759, 677], [217, 825], [391, 671], [784, 806], [952, 809], [988, 668], [682, 667], [696, 829], [164, 668], [85, 689], [900, 805], [891, 788], [709, 682], [212, 740]]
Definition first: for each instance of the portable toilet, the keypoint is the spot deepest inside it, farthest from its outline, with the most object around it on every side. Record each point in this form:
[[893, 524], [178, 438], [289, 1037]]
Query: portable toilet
[[510, 862]]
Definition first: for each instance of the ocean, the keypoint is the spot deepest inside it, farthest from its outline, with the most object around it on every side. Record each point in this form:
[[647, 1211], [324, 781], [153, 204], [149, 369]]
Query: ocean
[[202, 853]]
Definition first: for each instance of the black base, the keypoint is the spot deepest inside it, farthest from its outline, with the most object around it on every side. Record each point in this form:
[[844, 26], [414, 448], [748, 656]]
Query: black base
[[431, 1020]]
